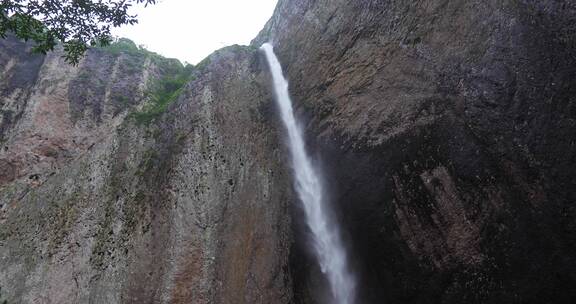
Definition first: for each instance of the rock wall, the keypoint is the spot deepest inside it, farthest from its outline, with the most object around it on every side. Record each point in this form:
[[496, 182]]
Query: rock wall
[[52, 111], [190, 207], [446, 130]]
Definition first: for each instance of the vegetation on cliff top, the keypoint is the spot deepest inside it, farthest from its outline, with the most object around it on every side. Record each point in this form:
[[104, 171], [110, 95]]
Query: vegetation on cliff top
[[129, 47], [164, 91]]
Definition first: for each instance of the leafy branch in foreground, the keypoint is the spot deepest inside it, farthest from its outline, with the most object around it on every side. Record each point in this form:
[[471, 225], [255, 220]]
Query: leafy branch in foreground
[[78, 24]]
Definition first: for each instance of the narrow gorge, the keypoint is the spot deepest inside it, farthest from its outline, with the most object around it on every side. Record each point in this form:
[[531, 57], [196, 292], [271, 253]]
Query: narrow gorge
[[441, 133]]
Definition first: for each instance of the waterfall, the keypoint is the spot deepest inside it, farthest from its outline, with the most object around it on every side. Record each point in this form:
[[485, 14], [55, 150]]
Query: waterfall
[[327, 240]]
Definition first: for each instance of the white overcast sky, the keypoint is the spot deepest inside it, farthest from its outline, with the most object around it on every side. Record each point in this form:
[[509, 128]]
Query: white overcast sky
[[190, 30]]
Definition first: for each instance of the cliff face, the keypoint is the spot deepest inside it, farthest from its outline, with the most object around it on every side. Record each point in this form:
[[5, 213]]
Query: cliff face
[[446, 130], [190, 206]]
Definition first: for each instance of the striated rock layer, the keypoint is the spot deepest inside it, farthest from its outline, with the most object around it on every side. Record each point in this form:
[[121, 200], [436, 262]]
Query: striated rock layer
[[446, 130]]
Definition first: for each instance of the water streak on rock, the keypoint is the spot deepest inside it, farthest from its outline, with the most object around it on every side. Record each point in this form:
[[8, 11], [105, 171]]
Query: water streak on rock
[[327, 241]]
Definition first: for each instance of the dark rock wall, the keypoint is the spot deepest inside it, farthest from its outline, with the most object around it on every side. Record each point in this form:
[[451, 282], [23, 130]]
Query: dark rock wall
[[447, 129], [15, 56]]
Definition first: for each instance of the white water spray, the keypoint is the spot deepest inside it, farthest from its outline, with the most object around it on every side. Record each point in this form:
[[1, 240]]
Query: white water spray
[[325, 232]]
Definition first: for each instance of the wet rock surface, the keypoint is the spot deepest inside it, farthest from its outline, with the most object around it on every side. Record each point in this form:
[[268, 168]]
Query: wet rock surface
[[447, 130]]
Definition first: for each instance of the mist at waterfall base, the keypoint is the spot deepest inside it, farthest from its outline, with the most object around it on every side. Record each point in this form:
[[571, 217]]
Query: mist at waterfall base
[[326, 238]]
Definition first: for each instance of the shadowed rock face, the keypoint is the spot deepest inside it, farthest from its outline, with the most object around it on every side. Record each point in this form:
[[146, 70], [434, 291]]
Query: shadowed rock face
[[446, 130]]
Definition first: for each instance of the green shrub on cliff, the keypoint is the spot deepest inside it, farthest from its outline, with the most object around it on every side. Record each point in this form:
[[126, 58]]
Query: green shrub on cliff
[[163, 93], [129, 47], [124, 45]]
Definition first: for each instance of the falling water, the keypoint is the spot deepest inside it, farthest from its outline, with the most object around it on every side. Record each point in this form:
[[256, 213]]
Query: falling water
[[325, 232]]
